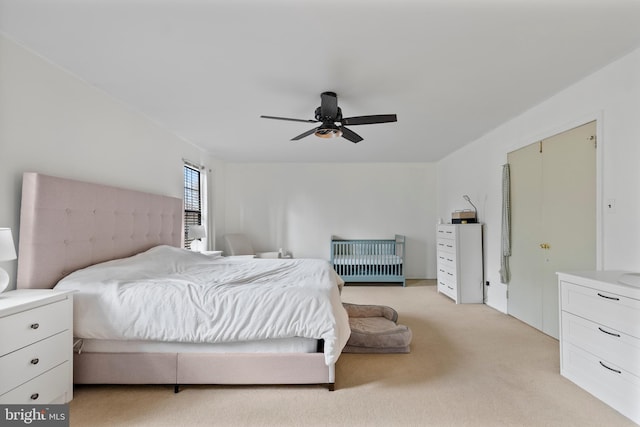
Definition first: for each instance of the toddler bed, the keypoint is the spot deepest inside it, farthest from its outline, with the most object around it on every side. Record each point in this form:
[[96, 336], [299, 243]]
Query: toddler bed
[[369, 260]]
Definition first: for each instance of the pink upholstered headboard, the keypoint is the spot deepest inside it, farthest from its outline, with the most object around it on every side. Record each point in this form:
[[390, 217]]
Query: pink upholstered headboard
[[66, 225]]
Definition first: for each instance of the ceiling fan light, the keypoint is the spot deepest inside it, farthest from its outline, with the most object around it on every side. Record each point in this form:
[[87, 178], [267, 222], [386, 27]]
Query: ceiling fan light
[[328, 132]]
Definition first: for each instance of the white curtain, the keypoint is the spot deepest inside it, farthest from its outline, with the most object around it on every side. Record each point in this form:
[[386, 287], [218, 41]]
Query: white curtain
[[208, 191], [505, 274]]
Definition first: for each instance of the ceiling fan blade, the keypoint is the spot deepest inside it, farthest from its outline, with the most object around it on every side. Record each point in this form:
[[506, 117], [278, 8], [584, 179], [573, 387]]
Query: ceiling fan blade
[[329, 105], [369, 120], [291, 120], [350, 135], [307, 133]]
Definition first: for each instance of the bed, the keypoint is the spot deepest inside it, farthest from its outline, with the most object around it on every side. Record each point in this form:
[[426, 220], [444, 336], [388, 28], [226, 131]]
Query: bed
[[77, 235], [369, 260]]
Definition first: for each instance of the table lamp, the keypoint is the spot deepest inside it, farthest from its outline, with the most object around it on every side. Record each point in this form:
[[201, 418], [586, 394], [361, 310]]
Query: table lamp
[[197, 232], [7, 253]]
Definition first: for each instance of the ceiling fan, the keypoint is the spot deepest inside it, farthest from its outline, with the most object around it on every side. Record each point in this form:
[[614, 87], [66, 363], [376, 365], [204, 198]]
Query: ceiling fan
[[332, 122]]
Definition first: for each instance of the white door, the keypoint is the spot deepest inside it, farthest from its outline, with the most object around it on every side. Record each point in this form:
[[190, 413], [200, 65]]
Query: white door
[[525, 298], [553, 199]]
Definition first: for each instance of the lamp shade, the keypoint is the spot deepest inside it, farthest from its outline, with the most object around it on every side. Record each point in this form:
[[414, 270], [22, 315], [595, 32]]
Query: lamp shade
[[196, 232], [7, 253], [7, 248]]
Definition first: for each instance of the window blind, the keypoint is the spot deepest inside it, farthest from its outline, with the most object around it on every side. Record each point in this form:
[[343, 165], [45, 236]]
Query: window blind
[[192, 201]]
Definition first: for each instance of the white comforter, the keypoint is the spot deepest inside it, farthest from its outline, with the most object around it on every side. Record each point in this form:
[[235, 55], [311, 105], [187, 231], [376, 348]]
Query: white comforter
[[171, 294]]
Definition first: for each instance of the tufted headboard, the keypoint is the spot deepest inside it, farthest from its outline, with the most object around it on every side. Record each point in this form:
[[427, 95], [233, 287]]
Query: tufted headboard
[[66, 225]]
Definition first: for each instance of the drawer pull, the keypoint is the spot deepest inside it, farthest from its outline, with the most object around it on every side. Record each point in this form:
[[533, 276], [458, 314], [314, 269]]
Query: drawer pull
[[608, 333], [611, 369], [34, 325], [35, 396], [607, 297], [35, 361]]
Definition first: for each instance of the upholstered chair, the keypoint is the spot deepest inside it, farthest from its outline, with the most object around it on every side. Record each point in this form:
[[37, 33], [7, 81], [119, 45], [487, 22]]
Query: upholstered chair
[[239, 244]]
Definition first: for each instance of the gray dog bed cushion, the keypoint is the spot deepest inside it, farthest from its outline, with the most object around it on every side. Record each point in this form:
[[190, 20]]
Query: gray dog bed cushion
[[374, 330]]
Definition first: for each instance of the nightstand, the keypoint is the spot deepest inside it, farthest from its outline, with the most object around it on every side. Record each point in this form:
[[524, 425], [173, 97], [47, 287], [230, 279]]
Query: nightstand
[[36, 348]]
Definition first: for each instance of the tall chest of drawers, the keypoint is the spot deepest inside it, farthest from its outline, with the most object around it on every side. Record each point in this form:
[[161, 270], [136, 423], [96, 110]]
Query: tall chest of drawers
[[459, 262], [36, 346], [600, 337]]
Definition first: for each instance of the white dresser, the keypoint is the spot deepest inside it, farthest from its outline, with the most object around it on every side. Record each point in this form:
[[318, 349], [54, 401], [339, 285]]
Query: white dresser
[[460, 269], [600, 337], [36, 346]]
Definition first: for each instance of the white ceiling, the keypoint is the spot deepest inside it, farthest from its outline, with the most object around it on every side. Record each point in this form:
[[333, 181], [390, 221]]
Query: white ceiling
[[451, 70]]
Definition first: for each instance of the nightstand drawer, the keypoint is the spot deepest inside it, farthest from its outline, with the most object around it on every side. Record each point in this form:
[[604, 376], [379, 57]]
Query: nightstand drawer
[[22, 365], [50, 387], [26, 327]]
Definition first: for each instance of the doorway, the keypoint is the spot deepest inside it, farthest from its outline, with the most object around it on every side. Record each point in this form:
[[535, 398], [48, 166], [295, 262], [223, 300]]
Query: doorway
[[553, 221]]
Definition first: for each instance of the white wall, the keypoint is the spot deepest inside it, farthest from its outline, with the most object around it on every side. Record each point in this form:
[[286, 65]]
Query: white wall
[[299, 206], [53, 123], [611, 96]]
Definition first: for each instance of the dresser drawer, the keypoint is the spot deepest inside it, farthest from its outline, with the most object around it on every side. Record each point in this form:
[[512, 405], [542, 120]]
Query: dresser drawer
[[605, 380], [52, 386], [22, 365], [447, 258], [446, 231], [446, 245], [614, 346], [26, 327], [447, 273], [449, 289], [614, 311]]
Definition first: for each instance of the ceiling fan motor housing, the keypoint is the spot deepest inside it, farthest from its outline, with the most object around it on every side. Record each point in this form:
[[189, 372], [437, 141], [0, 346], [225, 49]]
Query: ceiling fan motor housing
[[325, 120]]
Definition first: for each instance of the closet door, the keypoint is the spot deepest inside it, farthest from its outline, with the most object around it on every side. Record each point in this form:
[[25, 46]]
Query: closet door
[[568, 213], [525, 296], [553, 194]]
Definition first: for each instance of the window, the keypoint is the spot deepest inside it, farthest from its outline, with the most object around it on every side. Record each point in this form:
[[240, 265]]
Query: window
[[192, 201]]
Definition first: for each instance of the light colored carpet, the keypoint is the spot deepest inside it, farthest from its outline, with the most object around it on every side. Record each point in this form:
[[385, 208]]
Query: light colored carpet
[[469, 366]]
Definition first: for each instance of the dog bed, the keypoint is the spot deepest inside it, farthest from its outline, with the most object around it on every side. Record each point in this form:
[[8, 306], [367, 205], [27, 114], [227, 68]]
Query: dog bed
[[374, 330]]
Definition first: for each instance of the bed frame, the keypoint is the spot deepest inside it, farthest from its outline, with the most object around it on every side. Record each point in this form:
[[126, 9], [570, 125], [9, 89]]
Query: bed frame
[[66, 225], [369, 260]]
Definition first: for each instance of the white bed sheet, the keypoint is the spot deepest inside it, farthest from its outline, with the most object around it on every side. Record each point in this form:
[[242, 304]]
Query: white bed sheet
[[175, 295]]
